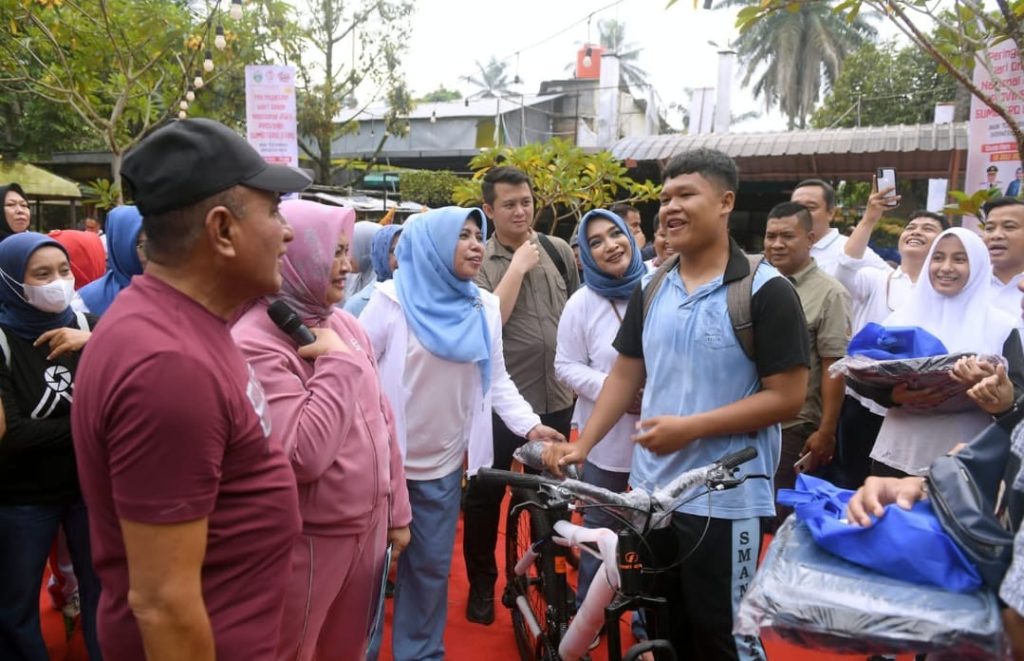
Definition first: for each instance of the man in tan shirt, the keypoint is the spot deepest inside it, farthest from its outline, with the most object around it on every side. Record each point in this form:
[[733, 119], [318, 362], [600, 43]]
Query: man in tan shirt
[[810, 438], [533, 276]]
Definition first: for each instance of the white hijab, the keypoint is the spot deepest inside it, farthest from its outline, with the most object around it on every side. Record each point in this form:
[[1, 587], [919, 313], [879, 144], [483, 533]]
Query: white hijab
[[966, 322]]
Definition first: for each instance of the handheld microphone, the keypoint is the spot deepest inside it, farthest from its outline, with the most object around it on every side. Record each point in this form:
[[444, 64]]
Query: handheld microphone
[[285, 318]]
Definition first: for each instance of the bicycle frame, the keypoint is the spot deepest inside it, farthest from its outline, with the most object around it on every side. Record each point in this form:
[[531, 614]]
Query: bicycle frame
[[643, 512]]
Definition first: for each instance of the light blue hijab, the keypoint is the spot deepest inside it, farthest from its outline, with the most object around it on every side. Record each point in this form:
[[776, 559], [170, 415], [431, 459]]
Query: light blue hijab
[[596, 279], [443, 311]]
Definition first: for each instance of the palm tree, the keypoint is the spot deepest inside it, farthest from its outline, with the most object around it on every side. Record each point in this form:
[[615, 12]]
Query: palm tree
[[612, 36], [790, 51], [492, 80]]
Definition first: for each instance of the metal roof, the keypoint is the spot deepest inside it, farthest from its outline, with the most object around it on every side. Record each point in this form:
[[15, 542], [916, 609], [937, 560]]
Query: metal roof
[[475, 108], [916, 151], [814, 142]]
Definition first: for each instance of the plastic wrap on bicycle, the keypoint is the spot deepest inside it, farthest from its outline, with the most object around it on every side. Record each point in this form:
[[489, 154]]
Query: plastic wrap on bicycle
[[529, 454], [815, 599]]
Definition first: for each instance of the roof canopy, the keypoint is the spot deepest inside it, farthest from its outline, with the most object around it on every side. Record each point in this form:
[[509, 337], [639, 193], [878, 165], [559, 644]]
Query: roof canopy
[[916, 151], [37, 182]]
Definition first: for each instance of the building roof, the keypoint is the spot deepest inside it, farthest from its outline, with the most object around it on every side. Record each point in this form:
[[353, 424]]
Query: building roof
[[37, 182], [451, 109], [919, 150]]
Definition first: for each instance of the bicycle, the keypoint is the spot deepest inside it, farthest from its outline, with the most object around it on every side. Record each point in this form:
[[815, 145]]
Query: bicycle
[[538, 534]]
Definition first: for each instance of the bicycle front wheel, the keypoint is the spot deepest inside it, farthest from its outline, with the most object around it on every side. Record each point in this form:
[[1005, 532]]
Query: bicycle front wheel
[[525, 594]]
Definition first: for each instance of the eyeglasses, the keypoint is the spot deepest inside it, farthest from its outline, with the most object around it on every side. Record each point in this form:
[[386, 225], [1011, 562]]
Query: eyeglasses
[[16, 205]]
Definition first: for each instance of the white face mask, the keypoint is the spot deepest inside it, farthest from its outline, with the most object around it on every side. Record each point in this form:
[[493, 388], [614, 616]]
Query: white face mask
[[53, 297]]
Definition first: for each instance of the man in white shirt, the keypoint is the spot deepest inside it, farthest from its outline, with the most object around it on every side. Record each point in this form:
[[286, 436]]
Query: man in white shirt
[[1003, 233], [875, 293], [820, 199]]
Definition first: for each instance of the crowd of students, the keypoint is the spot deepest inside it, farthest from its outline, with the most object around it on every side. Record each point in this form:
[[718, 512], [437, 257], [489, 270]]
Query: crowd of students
[[221, 490]]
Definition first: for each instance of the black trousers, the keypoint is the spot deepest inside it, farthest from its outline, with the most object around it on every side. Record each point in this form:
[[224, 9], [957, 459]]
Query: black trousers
[[855, 438], [483, 501], [704, 590]]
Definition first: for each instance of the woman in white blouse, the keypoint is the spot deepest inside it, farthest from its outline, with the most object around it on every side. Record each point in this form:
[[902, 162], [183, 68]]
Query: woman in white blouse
[[612, 269], [437, 338]]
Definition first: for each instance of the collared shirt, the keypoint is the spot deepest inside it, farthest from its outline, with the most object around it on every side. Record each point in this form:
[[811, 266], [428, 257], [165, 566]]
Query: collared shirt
[[827, 250], [875, 293], [530, 335], [1007, 297], [695, 364], [827, 311]]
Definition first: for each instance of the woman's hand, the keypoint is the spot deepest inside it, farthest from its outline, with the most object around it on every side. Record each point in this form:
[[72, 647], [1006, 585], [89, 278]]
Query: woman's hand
[[326, 341], [970, 371], [924, 398], [62, 341], [399, 538], [994, 394]]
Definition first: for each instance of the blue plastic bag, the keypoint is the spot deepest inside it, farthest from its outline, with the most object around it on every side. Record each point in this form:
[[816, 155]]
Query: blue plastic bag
[[909, 545], [895, 343]]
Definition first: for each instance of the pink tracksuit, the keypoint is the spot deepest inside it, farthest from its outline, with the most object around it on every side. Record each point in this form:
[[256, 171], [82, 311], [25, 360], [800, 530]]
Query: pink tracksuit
[[337, 429]]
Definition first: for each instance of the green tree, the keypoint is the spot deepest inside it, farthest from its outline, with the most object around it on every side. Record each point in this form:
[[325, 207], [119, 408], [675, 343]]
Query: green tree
[[883, 84], [791, 51], [441, 95], [118, 67], [612, 36], [492, 81], [358, 47], [952, 33], [567, 181]]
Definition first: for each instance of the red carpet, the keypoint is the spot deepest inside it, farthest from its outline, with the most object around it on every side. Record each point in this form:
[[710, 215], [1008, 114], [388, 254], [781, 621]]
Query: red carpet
[[464, 641]]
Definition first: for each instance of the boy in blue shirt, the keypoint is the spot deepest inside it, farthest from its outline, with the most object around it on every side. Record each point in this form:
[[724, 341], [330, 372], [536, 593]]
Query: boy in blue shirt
[[703, 399]]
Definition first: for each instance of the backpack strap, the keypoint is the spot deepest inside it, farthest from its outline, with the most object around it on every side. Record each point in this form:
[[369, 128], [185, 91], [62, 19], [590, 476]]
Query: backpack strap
[[83, 321], [659, 276], [556, 257], [738, 296]]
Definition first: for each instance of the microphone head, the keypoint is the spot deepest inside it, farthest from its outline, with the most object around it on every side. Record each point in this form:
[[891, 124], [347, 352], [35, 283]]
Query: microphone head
[[284, 317]]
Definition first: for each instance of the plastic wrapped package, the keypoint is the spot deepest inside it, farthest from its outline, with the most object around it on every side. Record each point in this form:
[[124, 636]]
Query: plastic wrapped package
[[875, 378], [812, 598]]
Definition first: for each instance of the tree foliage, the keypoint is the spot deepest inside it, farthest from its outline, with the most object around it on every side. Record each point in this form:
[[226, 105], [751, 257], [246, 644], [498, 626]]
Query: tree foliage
[[355, 47], [432, 188], [492, 81], [115, 69], [567, 181], [788, 53], [882, 84], [963, 29], [441, 95], [612, 36]]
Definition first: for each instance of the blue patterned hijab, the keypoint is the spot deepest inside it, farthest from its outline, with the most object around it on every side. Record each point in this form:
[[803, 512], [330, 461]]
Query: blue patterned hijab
[[596, 279], [443, 310]]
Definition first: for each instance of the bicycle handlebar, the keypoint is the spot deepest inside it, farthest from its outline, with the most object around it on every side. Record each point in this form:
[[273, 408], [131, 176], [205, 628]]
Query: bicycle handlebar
[[513, 479], [638, 501], [736, 458]]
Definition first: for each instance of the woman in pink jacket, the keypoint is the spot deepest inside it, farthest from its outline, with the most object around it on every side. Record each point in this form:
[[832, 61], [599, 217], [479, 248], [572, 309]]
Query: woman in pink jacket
[[327, 407]]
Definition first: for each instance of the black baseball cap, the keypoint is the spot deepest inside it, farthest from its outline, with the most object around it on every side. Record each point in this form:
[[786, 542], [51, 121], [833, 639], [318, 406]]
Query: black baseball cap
[[191, 159]]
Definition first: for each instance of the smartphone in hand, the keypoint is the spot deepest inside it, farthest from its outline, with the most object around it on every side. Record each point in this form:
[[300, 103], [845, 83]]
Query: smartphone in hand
[[803, 463], [886, 178]]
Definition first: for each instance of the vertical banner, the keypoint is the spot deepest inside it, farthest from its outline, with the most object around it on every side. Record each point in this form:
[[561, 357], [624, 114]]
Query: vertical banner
[[270, 113], [992, 158]]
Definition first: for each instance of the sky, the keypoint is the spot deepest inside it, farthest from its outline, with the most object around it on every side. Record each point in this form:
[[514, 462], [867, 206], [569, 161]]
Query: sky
[[448, 36]]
